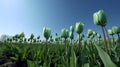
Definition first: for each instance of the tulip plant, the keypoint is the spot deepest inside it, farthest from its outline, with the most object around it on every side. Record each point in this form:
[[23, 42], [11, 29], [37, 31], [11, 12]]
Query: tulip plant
[[110, 32], [71, 34], [46, 33], [31, 38], [79, 30], [116, 30], [64, 34], [38, 37], [101, 20]]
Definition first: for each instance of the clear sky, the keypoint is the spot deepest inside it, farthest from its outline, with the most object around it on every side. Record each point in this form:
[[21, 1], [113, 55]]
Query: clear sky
[[30, 16]]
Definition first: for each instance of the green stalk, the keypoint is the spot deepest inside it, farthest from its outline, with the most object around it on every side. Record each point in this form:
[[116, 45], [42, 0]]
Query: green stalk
[[109, 43], [107, 37], [105, 43], [46, 51], [113, 41], [71, 41], [65, 47], [118, 36], [79, 50]]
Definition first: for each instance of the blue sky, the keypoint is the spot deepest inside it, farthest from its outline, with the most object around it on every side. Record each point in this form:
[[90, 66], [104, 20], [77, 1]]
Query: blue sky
[[30, 16]]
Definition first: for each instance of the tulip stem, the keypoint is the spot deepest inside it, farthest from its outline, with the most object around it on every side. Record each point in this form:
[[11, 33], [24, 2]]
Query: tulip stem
[[79, 51], [107, 36], [71, 41], [65, 48], [113, 40], [118, 36], [46, 51], [109, 43], [105, 43]]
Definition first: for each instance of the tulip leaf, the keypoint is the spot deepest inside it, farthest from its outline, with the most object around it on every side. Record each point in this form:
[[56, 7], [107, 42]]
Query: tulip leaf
[[105, 57], [86, 65], [73, 59]]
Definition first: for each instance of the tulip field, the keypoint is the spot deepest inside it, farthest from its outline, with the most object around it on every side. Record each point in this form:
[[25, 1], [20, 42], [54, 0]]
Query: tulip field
[[99, 50]]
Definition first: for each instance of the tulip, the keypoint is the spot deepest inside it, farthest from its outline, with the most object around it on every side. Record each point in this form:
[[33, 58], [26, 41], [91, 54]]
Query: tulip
[[79, 30], [46, 32], [100, 19], [57, 39], [90, 32], [79, 27], [22, 35], [94, 33], [51, 39], [116, 30], [71, 28], [38, 37], [71, 35], [110, 32], [98, 37], [31, 37], [88, 36], [64, 34]]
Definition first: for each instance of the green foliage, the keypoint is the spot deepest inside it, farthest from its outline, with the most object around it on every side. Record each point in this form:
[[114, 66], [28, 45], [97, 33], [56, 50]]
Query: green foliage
[[105, 58]]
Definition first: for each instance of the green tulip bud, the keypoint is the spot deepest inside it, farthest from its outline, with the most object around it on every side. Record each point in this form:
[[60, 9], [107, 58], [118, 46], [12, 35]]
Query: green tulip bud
[[38, 37], [72, 28], [100, 18], [92, 36], [25, 39], [90, 32], [95, 18], [116, 29], [98, 36], [64, 33], [31, 36], [94, 33], [87, 35], [22, 35], [71, 35], [79, 27], [57, 39], [110, 32], [46, 32]]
